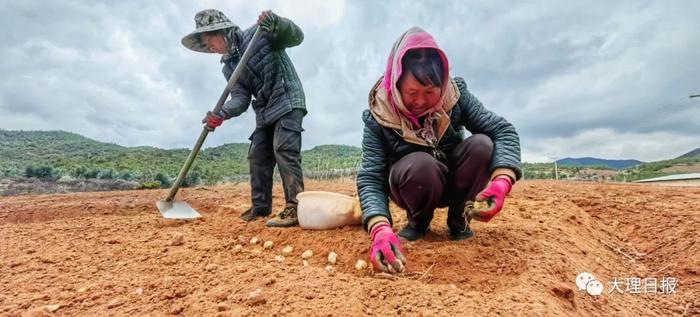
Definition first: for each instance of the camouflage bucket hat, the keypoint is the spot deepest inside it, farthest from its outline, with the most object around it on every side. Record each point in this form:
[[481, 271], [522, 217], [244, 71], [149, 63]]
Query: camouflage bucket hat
[[205, 21]]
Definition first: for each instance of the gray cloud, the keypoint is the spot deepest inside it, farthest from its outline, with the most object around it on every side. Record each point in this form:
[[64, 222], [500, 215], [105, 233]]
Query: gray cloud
[[589, 78]]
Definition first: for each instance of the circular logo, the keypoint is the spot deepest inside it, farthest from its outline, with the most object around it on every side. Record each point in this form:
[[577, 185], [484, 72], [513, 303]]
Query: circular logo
[[582, 279], [594, 287]]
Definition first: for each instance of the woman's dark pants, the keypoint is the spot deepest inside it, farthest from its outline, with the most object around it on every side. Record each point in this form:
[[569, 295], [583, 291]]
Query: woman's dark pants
[[419, 183]]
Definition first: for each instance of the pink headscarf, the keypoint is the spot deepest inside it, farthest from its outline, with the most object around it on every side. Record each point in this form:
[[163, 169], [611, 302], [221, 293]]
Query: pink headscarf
[[414, 38]]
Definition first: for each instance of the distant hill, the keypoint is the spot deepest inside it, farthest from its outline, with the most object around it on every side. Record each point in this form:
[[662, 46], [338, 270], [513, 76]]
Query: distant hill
[[60, 153], [683, 165], [591, 161], [55, 154], [692, 153]]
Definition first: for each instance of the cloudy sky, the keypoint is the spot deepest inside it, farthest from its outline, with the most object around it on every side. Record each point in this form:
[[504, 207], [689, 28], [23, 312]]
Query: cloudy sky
[[591, 78]]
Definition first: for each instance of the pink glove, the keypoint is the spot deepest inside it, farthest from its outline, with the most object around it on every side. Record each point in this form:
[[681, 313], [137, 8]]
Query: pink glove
[[495, 195], [386, 254]]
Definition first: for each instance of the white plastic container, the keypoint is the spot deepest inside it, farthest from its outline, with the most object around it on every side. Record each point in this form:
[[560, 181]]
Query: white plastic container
[[326, 210]]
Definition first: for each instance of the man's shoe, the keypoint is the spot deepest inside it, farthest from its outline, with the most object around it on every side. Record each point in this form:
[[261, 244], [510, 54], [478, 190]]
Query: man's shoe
[[249, 215], [412, 234], [461, 235], [285, 218]]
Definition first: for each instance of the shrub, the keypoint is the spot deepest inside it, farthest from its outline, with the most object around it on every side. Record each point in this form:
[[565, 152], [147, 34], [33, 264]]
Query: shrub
[[42, 172], [149, 185], [106, 174], [163, 179]]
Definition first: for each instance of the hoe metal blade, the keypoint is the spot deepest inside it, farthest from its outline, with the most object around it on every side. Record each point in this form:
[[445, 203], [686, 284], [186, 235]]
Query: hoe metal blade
[[176, 209]]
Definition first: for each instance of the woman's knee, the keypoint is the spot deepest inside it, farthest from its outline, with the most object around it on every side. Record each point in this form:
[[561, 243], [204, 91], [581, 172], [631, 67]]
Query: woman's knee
[[418, 169], [480, 145]]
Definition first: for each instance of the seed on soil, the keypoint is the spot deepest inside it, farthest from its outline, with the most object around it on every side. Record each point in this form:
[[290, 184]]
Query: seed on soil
[[268, 244], [279, 259], [332, 257], [176, 309], [360, 265], [305, 263], [52, 308], [178, 239], [481, 205], [329, 268], [287, 250], [256, 297], [254, 240], [115, 302], [237, 249], [307, 254]]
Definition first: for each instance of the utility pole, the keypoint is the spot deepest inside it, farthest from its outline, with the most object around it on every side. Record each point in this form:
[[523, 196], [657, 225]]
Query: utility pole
[[556, 171]]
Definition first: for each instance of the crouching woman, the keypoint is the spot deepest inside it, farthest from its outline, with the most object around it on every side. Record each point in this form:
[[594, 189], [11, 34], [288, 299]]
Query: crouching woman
[[414, 151]]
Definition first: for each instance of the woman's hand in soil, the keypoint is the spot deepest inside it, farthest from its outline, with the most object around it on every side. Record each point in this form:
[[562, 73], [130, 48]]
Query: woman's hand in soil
[[386, 254], [495, 195]]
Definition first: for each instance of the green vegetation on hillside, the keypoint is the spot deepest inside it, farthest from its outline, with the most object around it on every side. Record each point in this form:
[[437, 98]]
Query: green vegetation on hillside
[[654, 169], [642, 171], [51, 155], [56, 154]]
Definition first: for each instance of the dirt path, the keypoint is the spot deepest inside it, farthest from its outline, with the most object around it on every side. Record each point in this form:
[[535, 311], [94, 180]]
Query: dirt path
[[111, 253]]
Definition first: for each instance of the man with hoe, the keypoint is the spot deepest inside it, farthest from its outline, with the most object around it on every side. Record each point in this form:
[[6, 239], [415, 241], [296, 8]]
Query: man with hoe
[[279, 102]]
